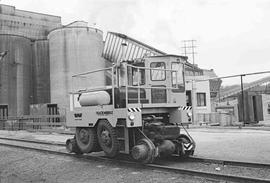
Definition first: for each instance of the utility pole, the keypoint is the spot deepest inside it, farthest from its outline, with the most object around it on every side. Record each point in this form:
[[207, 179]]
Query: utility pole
[[189, 49]]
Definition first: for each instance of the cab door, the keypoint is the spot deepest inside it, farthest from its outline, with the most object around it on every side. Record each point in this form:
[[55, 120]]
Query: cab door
[[178, 94], [158, 78]]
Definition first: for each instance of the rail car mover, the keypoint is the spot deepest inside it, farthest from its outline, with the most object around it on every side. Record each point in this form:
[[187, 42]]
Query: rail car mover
[[139, 110]]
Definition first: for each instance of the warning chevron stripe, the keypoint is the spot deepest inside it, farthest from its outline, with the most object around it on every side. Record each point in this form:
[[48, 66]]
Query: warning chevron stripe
[[185, 108], [134, 109], [187, 146]]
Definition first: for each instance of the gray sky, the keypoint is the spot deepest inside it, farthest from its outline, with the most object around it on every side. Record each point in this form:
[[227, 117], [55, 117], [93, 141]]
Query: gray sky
[[233, 36]]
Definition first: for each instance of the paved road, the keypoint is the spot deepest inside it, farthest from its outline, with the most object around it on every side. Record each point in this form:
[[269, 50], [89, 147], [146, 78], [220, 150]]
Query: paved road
[[233, 144], [23, 166]]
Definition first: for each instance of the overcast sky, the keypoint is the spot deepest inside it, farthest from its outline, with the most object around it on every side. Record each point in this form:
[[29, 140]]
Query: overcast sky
[[232, 36]]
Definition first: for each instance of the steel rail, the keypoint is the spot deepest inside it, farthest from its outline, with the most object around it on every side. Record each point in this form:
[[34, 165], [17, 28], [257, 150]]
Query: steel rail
[[33, 141], [229, 162], [203, 174]]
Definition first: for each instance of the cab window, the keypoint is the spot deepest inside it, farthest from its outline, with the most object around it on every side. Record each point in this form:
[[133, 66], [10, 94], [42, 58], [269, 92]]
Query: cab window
[[158, 75], [138, 75], [177, 77]]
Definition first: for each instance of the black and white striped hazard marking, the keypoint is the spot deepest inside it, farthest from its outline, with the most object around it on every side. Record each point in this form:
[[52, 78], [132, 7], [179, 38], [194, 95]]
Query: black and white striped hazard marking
[[185, 108], [134, 109], [188, 146]]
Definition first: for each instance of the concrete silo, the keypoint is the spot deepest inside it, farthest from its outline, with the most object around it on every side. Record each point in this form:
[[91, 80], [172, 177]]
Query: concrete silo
[[74, 49], [15, 74], [41, 72]]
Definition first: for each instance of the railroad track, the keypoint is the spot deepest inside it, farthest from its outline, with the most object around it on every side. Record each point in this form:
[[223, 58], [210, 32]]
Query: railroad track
[[232, 163], [33, 141], [58, 149]]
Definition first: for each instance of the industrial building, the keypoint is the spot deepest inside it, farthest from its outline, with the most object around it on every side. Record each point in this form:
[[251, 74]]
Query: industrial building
[[24, 70], [252, 105], [43, 55]]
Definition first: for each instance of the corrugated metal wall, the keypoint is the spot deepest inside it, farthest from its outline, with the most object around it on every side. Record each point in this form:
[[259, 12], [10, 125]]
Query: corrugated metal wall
[[252, 109]]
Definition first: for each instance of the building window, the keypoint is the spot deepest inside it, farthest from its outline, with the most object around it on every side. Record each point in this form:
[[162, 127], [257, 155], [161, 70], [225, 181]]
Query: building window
[[158, 75], [201, 99], [3, 111], [188, 98]]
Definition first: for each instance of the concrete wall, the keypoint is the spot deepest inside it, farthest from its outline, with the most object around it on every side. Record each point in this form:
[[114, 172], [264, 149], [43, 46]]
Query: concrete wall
[[24, 23], [73, 50], [227, 107], [200, 87], [24, 72], [15, 74], [41, 72]]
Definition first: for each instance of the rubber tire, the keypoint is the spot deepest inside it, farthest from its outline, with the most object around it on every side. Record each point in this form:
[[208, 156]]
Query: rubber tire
[[71, 146], [92, 144], [114, 149]]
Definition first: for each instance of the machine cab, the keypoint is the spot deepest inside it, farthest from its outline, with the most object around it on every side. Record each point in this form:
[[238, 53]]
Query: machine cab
[[160, 78]]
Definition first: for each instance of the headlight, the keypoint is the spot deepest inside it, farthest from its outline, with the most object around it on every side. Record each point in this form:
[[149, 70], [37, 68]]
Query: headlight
[[189, 114], [131, 116]]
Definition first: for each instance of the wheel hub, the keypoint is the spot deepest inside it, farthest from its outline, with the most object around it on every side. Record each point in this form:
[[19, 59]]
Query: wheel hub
[[105, 138], [84, 136]]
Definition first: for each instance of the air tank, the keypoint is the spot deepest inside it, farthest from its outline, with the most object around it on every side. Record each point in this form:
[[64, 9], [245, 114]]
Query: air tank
[[74, 49], [94, 98], [41, 72], [15, 74]]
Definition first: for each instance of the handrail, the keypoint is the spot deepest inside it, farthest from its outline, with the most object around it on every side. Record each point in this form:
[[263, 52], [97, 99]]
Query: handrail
[[155, 87], [90, 72], [146, 68], [91, 90], [127, 85]]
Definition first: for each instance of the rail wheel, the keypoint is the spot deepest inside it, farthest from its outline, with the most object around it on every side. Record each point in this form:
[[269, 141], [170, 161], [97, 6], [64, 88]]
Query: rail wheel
[[144, 151], [86, 139], [186, 146], [107, 138]]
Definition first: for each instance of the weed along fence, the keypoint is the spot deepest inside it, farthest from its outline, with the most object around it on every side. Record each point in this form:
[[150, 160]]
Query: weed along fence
[[41, 122]]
